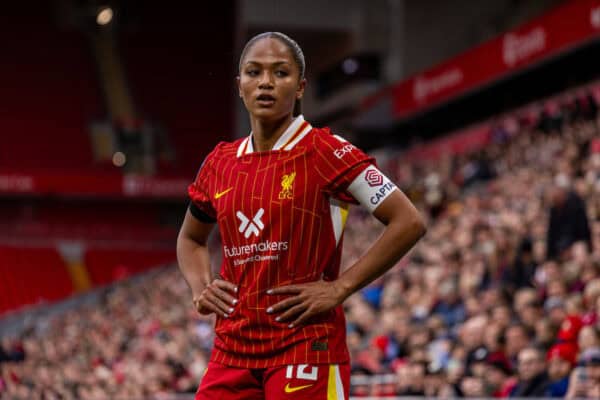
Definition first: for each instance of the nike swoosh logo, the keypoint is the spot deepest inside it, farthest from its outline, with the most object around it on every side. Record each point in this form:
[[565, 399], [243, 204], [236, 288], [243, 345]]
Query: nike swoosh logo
[[221, 194], [289, 389]]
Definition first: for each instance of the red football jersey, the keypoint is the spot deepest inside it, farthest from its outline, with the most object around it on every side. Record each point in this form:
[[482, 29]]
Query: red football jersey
[[281, 215]]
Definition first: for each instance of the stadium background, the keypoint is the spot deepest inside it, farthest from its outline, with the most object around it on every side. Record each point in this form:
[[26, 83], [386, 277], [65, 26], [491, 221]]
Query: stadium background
[[483, 112]]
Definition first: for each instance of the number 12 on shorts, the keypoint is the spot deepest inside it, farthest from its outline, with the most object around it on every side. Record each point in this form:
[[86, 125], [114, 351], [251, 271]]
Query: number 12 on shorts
[[305, 380], [303, 371]]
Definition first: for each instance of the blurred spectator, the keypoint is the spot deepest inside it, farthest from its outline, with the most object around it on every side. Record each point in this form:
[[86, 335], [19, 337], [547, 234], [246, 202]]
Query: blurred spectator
[[585, 380], [501, 315], [477, 169], [545, 333], [568, 219], [555, 309], [449, 307], [411, 379], [360, 384], [517, 337], [11, 351], [522, 270], [569, 329], [473, 386], [434, 380], [561, 359], [590, 359], [589, 337], [493, 339], [533, 379], [578, 384], [3, 354], [530, 313], [591, 297], [498, 376]]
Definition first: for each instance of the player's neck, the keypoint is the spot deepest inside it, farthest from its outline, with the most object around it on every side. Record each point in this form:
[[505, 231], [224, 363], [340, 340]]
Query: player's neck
[[266, 133]]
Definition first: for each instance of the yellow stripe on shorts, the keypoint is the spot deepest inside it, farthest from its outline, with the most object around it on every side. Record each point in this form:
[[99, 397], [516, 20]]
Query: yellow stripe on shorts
[[335, 389]]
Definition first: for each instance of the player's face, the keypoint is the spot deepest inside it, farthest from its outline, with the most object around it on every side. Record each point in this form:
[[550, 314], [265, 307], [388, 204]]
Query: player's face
[[269, 81]]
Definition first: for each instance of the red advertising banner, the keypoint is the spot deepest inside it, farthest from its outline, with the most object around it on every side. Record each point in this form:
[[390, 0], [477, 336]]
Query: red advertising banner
[[92, 185], [565, 27]]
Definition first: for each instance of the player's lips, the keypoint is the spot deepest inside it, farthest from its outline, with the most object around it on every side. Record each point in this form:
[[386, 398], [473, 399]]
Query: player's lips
[[265, 100]]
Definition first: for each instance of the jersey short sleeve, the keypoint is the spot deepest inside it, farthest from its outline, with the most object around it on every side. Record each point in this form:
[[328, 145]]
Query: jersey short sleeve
[[201, 206], [339, 162]]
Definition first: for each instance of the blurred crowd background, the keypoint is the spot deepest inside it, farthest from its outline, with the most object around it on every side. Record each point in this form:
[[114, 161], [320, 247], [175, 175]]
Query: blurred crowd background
[[501, 298], [502, 295]]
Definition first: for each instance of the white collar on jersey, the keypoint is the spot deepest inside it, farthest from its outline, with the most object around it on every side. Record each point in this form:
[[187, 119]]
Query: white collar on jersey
[[294, 133]]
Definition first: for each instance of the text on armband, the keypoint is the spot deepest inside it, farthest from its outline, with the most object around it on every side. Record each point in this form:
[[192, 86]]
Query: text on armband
[[382, 193]]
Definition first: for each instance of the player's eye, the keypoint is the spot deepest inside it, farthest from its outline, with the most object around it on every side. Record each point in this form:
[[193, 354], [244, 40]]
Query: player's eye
[[252, 72], [281, 73]]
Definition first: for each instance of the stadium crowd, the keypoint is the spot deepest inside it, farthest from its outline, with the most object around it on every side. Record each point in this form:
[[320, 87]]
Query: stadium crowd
[[500, 298]]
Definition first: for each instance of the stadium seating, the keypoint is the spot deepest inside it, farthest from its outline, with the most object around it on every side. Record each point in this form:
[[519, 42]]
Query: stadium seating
[[177, 71], [112, 222], [133, 231], [49, 92], [31, 275], [108, 265]]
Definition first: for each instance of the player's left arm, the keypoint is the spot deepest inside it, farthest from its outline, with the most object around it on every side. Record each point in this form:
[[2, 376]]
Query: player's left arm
[[404, 227]]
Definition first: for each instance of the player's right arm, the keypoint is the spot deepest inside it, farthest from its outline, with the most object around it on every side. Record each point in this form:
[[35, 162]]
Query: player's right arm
[[209, 294]]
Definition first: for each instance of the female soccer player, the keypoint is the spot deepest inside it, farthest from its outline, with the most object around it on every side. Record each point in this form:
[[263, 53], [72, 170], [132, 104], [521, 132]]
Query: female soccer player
[[280, 198]]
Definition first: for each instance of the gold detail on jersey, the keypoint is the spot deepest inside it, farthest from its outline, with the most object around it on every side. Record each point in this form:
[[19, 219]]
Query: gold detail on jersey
[[289, 389], [221, 194], [286, 186]]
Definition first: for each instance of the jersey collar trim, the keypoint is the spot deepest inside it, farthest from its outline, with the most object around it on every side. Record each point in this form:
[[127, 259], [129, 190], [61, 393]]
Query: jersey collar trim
[[297, 130]]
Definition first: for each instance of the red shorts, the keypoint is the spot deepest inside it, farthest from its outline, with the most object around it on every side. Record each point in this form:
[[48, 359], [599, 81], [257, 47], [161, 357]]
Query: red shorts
[[313, 382]]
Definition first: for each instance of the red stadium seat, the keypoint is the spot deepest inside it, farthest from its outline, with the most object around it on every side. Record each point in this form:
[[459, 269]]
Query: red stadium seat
[[50, 92], [32, 275], [177, 71], [108, 265]]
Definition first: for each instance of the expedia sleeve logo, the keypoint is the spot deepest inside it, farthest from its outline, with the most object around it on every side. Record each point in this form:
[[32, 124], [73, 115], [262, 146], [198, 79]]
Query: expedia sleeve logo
[[342, 151], [371, 188]]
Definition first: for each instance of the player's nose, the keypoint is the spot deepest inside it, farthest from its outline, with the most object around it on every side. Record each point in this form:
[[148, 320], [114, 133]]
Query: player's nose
[[266, 81]]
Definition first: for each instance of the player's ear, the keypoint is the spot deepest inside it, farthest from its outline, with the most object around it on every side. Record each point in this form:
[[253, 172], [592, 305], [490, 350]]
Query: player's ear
[[237, 80], [301, 87]]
